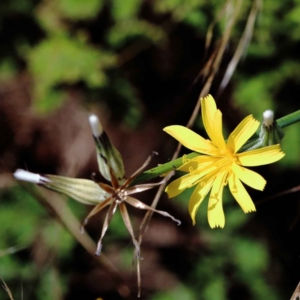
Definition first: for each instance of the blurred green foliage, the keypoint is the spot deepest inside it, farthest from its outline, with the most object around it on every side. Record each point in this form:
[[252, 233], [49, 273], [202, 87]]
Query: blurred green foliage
[[78, 10], [32, 245], [62, 60], [71, 44], [180, 292]]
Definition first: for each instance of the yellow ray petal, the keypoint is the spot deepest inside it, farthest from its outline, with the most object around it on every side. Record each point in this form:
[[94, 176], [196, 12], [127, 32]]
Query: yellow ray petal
[[179, 185], [249, 177], [242, 133], [262, 156], [208, 109], [217, 134], [240, 194], [198, 196], [215, 213], [190, 139], [199, 163], [196, 163]]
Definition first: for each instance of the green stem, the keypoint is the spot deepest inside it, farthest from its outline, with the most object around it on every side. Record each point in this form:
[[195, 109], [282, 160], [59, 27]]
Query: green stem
[[289, 119], [162, 169], [172, 165]]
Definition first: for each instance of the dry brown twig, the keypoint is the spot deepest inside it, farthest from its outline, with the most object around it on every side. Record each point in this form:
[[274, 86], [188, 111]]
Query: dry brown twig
[[242, 46], [6, 288], [296, 294]]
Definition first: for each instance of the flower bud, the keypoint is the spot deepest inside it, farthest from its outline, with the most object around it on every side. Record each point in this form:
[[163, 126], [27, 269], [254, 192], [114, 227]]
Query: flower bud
[[270, 133]]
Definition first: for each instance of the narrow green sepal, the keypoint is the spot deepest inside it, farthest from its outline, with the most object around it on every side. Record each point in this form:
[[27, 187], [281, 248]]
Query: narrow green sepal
[[107, 154], [271, 135], [82, 190]]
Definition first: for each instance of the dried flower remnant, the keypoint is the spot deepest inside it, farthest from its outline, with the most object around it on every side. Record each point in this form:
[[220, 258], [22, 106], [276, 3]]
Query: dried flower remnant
[[101, 194], [7, 289]]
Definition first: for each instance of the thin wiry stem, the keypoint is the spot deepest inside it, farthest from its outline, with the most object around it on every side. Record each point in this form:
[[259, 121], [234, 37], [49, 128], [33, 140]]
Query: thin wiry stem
[[139, 170], [242, 46], [12, 250], [277, 195], [149, 213], [296, 294], [217, 19], [139, 280], [289, 191], [6, 288]]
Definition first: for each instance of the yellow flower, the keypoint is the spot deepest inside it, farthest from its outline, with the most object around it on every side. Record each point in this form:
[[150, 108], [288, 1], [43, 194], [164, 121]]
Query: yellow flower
[[221, 163]]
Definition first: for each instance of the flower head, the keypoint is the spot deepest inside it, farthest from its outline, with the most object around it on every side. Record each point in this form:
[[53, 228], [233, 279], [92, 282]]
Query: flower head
[[221, 163]]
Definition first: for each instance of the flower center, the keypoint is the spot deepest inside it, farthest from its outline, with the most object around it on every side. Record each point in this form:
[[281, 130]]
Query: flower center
[[120, 195], [229, 158], [226, 152]]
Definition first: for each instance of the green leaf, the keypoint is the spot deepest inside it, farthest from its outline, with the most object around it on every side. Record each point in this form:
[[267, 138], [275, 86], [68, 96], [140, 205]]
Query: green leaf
[[125, 9], [128, 29], [80, 10], [179, 292], [250, 256], [65, 60]]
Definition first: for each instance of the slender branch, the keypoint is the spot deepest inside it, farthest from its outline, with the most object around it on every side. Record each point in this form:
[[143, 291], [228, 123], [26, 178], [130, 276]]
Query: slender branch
[[162, 169], [296, 293]]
